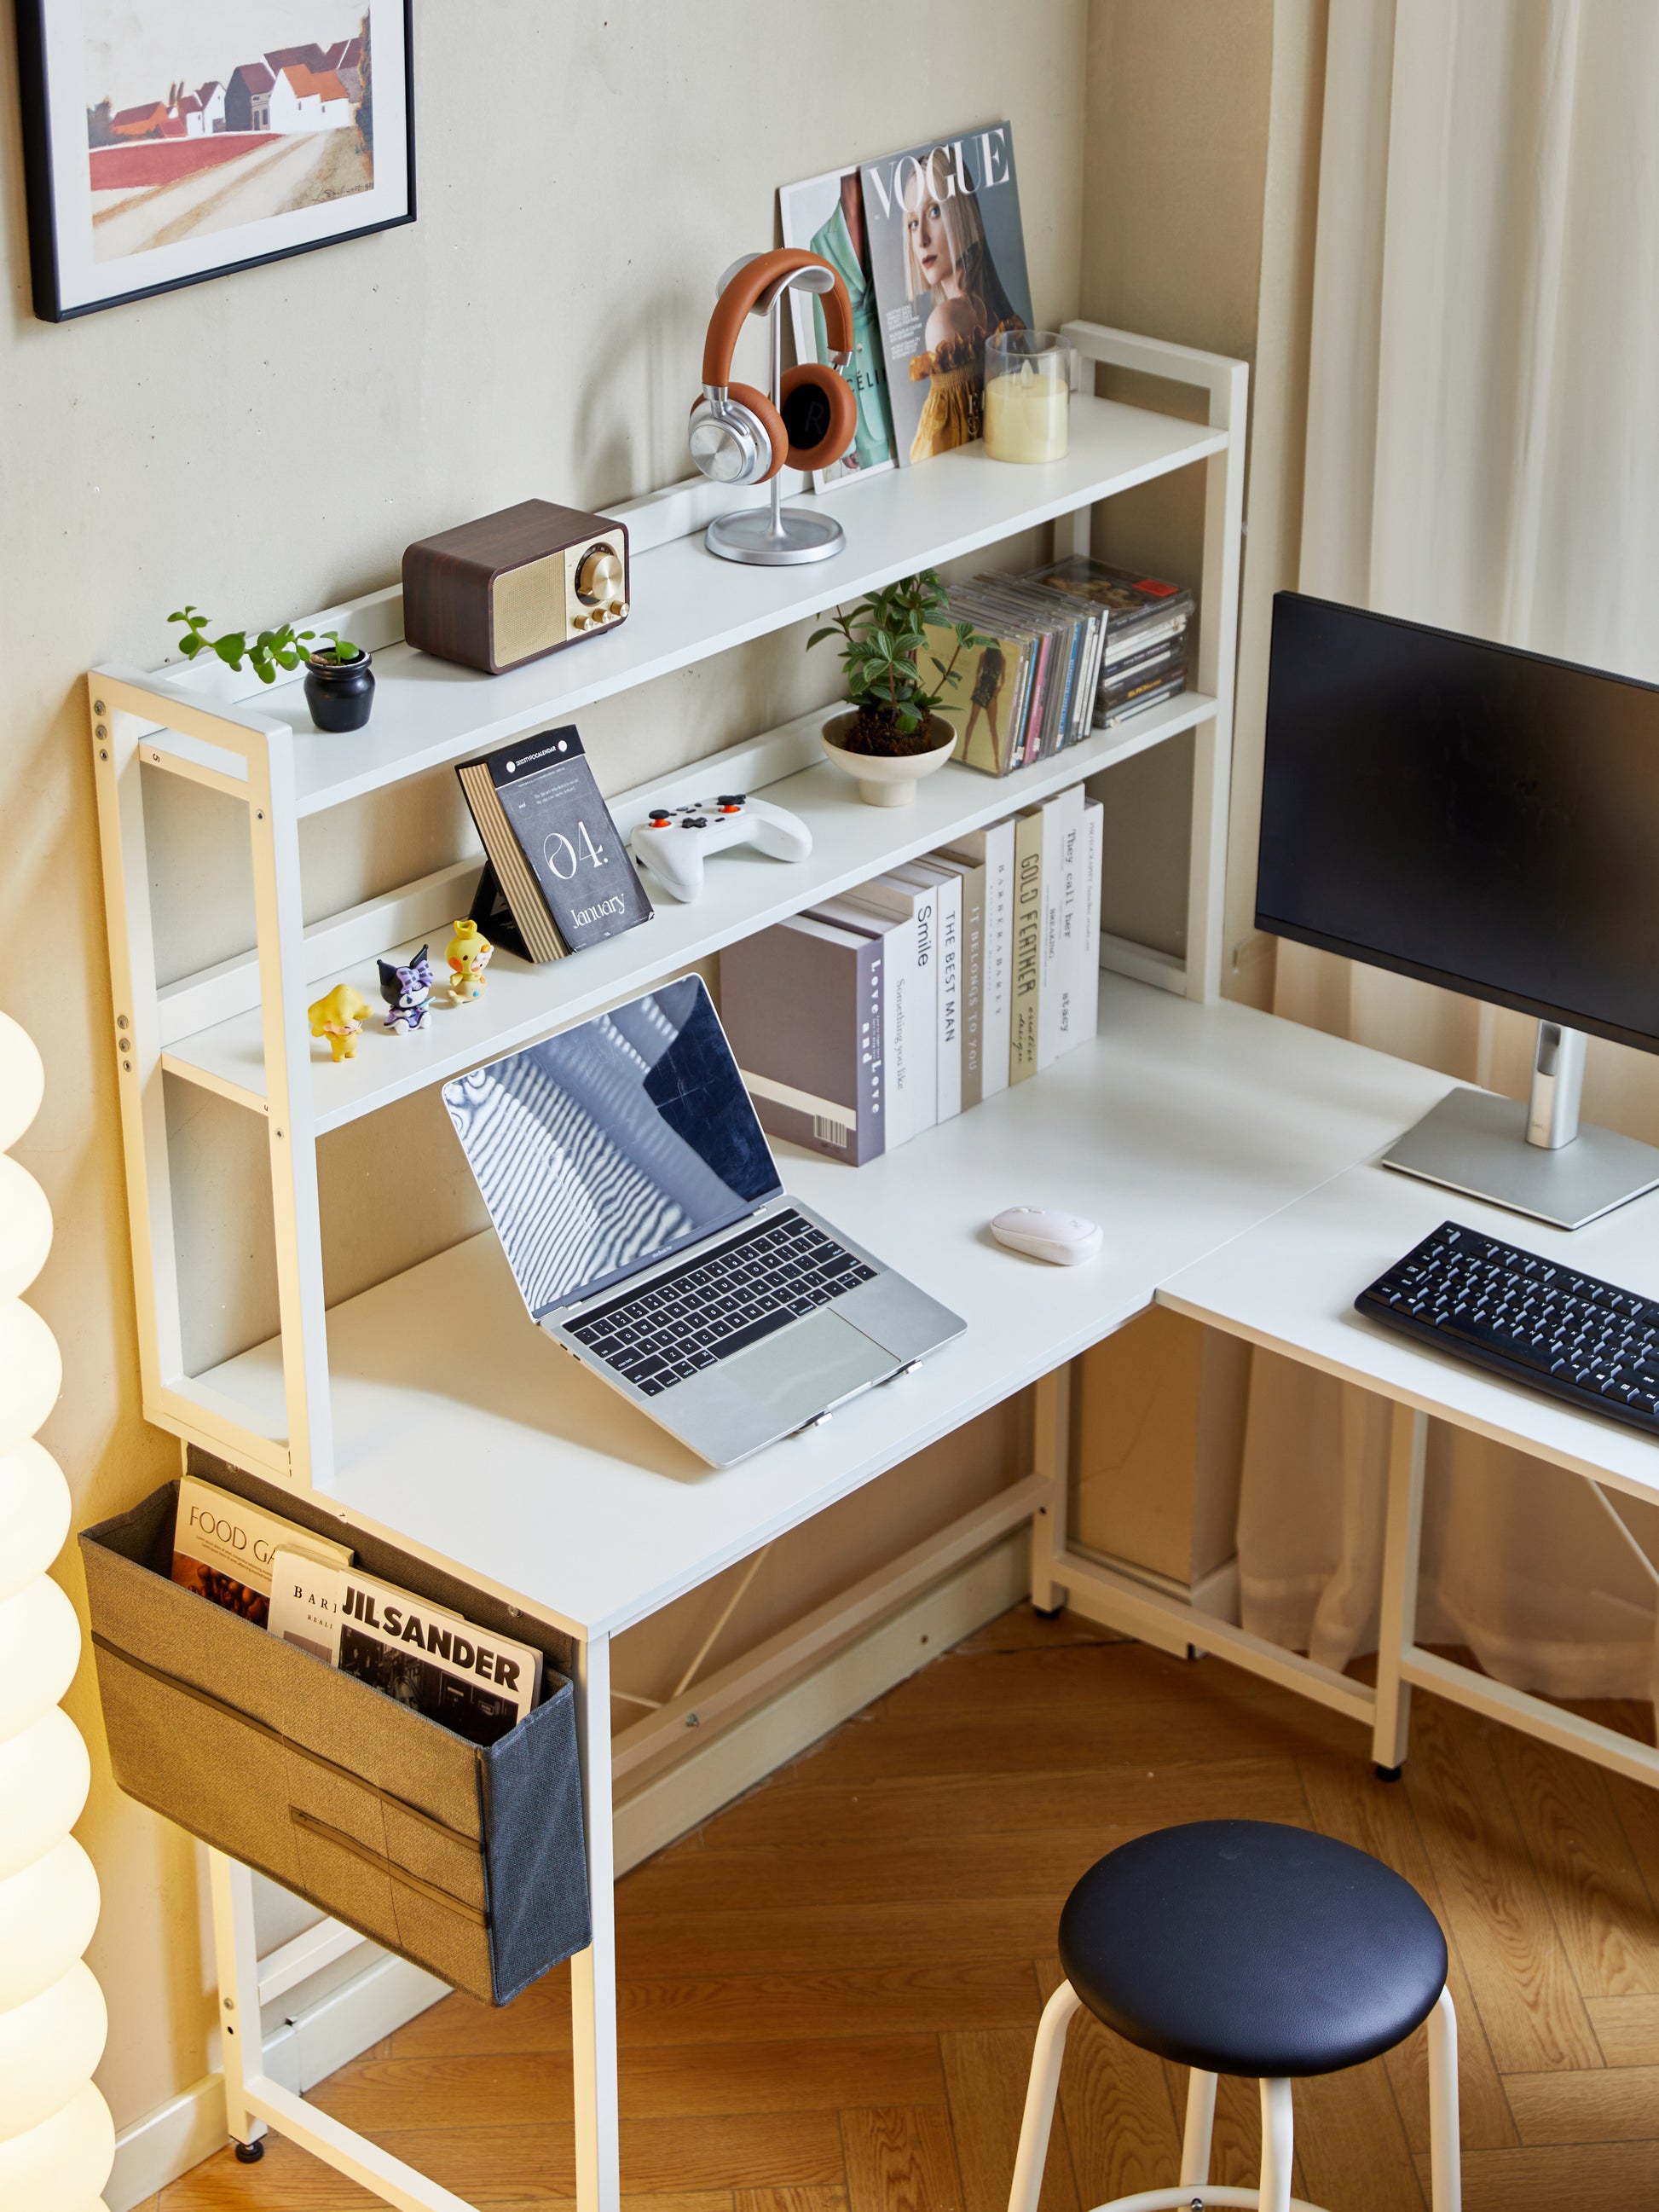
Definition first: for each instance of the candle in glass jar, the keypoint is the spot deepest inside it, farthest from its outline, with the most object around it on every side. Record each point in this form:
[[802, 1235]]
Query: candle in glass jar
[[1026, 416]]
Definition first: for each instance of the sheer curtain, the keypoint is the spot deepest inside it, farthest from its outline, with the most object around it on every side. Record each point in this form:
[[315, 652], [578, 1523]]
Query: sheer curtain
[[1482, 454]]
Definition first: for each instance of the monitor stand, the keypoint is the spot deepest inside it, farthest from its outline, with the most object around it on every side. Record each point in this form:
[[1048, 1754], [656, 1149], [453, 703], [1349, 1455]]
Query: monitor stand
[[1533, 1158]]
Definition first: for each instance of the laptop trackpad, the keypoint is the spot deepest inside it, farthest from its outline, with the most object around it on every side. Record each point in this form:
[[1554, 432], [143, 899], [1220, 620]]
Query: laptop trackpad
[[797, 1372]]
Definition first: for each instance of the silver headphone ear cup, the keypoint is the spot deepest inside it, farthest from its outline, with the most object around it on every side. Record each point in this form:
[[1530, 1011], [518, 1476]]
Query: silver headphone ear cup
[[730, 445]]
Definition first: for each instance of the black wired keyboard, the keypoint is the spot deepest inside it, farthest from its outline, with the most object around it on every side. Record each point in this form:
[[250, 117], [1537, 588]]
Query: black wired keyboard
[[1528, 1319], [689, 1317]]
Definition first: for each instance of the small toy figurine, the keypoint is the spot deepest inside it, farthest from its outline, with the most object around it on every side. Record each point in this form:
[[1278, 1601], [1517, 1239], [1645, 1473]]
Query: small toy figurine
[[468, 956], [339, 1018], [406, 991]]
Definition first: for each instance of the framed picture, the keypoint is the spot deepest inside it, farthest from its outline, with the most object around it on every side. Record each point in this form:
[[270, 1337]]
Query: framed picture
[[168, 143], [826, 215]]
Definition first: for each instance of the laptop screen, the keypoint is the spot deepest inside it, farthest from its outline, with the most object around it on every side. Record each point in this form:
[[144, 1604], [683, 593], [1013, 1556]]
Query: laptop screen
[[613, 1145]]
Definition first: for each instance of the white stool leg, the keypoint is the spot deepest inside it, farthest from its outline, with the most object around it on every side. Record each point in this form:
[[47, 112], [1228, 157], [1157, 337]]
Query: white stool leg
[[1040, 2093], [1278, 2147], [1445, 2163], [1201, 2125]]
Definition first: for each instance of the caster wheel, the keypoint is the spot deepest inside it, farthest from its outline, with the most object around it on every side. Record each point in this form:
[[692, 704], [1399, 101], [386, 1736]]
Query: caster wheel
[[249, 2153], [1389, 1773]]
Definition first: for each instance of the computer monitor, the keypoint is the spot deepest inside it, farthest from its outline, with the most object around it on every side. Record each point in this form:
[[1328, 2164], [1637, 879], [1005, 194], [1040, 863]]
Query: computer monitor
[[1485, 819]]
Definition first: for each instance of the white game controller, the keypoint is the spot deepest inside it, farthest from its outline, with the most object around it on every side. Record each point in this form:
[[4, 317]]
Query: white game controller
[[672, 840]]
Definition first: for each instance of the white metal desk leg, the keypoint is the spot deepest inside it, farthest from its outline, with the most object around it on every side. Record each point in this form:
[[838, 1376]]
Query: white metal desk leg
[[594, 1971], [238, 1956], [1397, 1626], [1052, 1459]]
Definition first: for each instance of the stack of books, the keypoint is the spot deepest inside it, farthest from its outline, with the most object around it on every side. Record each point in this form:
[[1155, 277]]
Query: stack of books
[[880, 1014], [306, 1590], [1146, 622], [1075, 646]]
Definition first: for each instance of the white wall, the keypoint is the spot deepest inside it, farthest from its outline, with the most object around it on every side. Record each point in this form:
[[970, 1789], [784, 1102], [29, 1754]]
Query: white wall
[[267, 443]]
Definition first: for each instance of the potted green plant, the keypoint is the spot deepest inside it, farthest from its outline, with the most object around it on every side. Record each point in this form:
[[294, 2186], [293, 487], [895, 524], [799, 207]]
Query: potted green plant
[[889, 734], [339, 683], [344, 686]]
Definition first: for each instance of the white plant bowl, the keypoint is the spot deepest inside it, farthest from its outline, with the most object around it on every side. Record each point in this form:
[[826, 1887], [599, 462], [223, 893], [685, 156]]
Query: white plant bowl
[[885, 779]]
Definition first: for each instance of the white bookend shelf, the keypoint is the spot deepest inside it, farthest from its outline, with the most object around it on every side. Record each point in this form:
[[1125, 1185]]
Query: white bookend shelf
[[241, 1028]]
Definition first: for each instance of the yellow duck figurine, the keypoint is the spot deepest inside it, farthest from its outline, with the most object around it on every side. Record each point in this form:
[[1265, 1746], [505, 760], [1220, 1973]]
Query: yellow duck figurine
[[468, 954], [339, 1018]]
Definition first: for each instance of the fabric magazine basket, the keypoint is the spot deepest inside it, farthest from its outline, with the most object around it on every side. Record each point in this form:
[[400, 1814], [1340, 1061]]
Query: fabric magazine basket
[[468, 1861]]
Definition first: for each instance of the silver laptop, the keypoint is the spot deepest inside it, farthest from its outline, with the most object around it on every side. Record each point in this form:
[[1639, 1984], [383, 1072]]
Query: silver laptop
[[646, 1227]]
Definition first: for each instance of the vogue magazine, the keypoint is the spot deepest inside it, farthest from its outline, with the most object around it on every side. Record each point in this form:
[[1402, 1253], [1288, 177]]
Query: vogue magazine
[[948, 255]]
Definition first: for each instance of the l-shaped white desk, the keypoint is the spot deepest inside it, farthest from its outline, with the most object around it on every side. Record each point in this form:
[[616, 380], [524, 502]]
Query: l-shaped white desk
[[1224, 1151]]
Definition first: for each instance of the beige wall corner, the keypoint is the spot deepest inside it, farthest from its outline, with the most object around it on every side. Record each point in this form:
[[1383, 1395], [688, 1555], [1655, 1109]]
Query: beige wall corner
[[1157, 1424], [1279, 412], [1174, 171]]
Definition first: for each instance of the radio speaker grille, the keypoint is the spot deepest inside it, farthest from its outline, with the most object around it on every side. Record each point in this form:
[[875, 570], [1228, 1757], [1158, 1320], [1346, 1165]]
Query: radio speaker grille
[[528, 607]]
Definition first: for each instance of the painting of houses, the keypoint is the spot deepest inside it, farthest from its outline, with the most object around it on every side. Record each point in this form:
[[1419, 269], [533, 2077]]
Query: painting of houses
[[260, 125], [202, 121]]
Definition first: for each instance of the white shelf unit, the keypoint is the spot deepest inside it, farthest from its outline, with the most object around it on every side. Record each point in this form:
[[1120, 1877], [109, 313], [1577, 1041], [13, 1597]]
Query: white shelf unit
[[240, 1029]]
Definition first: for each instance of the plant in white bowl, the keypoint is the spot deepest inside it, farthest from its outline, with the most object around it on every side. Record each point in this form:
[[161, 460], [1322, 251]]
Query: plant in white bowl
[[889, 734]]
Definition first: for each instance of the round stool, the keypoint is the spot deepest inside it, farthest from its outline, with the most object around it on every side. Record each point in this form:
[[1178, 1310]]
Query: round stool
[[1241, 1947]]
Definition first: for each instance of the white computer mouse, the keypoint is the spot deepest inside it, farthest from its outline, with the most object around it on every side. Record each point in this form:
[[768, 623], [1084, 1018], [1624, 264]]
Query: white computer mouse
[[1065, 1238]]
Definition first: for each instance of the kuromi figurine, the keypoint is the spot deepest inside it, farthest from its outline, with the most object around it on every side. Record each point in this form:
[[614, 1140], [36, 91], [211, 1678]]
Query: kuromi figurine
[[406, 991]]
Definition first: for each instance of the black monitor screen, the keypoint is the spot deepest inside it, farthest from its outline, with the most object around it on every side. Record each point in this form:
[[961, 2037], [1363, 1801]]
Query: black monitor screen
[[1480, 818]]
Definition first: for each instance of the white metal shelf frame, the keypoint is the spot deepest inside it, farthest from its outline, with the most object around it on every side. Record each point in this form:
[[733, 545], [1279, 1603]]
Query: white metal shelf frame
[[264, 756]]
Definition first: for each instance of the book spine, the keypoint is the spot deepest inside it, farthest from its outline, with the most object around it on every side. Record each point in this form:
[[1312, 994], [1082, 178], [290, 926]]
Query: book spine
[[925, 1035], [1028, 946], [973, 986], [899, 990], [949, 912], [1068, 964], [1094, 846], [998, 953], [1060, 816], [872, 1092]]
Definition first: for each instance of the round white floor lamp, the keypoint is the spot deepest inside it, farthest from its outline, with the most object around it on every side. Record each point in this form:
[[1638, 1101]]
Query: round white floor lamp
[[57, 2139]]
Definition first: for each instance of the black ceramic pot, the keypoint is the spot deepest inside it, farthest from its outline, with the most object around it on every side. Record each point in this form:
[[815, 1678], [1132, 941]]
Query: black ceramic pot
[[340, 693]]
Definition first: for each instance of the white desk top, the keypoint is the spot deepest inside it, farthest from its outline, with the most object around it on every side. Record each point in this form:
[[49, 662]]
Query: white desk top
[[1290, 1283], [1180, 1127]]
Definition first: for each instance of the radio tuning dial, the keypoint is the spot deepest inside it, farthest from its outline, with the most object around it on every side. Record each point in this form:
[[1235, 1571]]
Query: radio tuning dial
[[598, 576]]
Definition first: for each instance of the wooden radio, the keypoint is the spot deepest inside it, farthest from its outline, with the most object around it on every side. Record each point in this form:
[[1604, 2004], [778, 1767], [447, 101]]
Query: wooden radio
[[511, 587]]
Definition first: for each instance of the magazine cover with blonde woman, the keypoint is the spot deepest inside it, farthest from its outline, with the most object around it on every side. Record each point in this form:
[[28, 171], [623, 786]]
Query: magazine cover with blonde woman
[[947, 253]]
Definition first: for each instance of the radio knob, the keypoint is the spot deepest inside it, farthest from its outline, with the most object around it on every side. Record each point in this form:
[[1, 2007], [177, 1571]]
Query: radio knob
[[616, 610], [598, 576]]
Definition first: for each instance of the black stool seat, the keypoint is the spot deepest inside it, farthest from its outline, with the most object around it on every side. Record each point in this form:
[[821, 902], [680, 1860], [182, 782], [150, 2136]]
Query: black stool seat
[[1241, 1947]]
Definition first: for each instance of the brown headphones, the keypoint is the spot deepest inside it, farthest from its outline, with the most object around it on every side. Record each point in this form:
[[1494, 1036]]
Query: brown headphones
[[737, 436]]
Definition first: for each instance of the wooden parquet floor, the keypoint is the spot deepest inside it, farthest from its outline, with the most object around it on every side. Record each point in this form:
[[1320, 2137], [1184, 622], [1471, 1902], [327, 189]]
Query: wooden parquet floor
[[828, 1995]]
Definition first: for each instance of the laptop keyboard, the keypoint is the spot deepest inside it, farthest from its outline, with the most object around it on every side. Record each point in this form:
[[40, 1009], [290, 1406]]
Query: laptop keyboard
[[687, 1319]]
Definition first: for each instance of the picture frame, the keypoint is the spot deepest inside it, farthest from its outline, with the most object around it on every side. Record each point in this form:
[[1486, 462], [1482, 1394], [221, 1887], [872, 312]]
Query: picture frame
[[825, 216], [170, 144]]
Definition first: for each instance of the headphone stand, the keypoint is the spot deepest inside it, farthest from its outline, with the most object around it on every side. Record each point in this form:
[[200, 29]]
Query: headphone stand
[[775, 536]]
